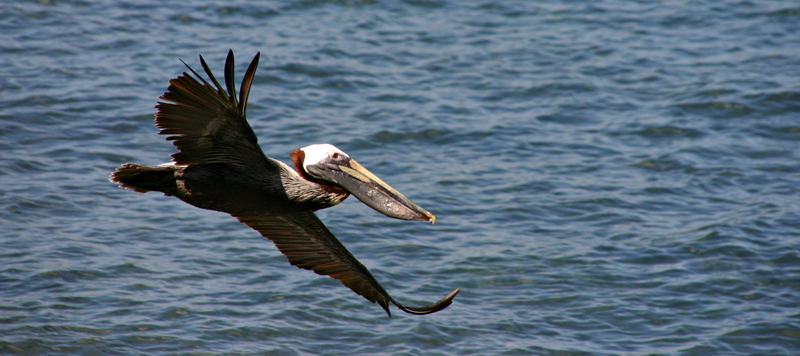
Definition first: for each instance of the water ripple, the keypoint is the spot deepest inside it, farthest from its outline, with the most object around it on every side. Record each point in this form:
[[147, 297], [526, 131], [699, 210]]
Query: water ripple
[[610, 178]]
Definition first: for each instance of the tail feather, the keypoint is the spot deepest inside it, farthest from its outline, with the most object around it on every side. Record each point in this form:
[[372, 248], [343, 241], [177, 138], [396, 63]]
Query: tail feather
[[142, 179]]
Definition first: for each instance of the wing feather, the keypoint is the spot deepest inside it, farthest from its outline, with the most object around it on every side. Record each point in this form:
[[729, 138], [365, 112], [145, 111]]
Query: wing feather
[[205, 123], [308, 244]]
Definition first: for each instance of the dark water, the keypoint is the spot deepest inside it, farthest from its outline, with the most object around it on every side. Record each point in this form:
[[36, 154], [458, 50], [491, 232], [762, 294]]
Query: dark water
[[610, 177]]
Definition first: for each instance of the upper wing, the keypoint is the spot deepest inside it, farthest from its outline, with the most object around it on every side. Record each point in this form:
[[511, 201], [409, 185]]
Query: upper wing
[[308, 244], [206, 124]]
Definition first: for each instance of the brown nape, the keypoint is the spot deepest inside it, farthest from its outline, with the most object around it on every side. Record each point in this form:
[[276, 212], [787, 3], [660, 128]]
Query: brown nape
[[298, 156]]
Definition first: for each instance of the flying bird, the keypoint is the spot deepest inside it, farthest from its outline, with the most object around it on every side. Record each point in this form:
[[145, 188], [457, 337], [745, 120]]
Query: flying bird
[[220, 166]]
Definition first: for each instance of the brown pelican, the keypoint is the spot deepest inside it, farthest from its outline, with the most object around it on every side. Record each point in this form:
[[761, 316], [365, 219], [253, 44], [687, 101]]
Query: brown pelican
[[220, 166]]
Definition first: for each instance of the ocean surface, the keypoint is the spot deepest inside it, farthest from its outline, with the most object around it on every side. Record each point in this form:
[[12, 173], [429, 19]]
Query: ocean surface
[[609, 177]]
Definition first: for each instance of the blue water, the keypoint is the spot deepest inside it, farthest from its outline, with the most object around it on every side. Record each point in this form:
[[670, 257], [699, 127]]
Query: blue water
[[610, 177]]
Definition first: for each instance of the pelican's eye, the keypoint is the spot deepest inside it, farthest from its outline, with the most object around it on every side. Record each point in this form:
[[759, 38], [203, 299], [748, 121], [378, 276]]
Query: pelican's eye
[[335, 155]]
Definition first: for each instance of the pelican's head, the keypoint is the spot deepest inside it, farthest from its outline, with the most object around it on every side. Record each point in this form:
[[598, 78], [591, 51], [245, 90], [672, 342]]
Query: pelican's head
[[328, 164]]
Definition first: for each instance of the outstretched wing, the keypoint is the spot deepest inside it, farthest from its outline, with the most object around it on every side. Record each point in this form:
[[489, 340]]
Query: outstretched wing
[[308, 244], [205, 123]]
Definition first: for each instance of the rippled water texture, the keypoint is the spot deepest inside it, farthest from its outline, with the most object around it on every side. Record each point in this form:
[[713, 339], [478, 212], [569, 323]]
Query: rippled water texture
[[610, 177]]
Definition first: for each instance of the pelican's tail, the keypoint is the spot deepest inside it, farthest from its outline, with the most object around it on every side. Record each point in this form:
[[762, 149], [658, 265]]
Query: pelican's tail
[[143, 179]]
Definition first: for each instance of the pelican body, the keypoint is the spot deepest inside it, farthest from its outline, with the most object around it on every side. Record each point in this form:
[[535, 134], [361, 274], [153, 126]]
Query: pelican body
[[220, 166]]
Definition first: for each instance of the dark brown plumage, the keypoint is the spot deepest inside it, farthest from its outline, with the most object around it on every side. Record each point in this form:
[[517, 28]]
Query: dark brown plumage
[[220, 166]]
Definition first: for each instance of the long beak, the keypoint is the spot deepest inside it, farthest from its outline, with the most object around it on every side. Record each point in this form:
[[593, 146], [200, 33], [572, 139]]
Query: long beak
[[373, 191]]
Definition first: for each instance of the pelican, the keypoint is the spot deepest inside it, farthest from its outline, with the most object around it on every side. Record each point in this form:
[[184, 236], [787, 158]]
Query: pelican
[[220, 166]]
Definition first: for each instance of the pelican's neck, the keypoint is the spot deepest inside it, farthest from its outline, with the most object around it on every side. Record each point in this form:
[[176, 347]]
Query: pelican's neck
[[307, 193]]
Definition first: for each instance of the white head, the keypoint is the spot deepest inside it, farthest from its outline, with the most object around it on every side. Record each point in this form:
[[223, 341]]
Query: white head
[[315, 153]]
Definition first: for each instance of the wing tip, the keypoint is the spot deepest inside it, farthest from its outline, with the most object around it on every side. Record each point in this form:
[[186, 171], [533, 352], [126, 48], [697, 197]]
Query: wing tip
[[428, 309]]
